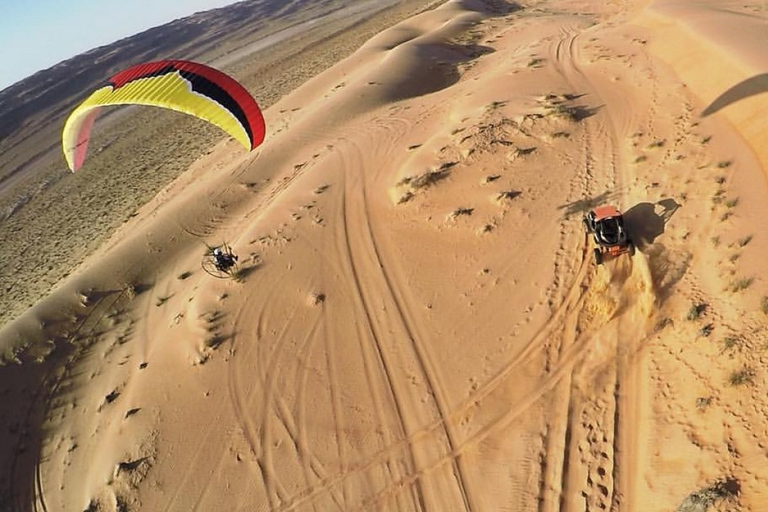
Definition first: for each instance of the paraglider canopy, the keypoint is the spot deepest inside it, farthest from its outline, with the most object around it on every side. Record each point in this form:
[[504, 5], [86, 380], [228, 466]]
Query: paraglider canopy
[[184, 86]]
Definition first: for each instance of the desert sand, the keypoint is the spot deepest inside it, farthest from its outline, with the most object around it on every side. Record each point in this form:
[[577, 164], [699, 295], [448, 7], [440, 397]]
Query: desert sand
[[418, 322]]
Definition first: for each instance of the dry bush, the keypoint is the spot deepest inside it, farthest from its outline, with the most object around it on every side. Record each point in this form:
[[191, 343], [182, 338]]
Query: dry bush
[[741, 377], [428, 178], [703, 499], [696, 310], [742, 284]]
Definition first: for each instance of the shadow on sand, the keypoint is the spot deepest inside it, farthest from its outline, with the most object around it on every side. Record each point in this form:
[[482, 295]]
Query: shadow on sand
[[750, 87], [646, 221]]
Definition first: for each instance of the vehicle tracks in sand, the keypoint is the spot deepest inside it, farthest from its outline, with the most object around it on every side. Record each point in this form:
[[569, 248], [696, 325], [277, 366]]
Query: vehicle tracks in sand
[[583, 439], [258, 423], [379, 343], [377, 284], [397, 293]]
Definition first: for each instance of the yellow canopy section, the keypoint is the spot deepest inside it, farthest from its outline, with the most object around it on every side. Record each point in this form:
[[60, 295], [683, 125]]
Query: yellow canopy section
[[194, 89]]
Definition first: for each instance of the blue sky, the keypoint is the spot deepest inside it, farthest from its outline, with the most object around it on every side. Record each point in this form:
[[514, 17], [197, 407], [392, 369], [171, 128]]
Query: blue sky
[[36, 34]]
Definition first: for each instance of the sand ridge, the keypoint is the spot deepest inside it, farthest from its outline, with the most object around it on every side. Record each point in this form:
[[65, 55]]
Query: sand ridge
[[418, 323]]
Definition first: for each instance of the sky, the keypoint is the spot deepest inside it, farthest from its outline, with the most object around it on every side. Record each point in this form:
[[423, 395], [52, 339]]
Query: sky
[[36, 34]]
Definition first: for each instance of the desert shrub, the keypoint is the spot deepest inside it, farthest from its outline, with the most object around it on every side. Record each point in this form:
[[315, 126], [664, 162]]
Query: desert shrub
[[701, 500], [742, 284], [426, 179], [462, 211], [730, 342], [661, 324], [740, 377], [696, 310], [507, 195]]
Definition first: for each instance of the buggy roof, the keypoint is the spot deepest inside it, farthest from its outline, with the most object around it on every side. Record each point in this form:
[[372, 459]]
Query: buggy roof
[[604, 212]]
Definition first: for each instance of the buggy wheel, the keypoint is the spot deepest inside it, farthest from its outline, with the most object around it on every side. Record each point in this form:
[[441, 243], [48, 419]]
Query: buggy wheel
[[630, 248], [598, 256]]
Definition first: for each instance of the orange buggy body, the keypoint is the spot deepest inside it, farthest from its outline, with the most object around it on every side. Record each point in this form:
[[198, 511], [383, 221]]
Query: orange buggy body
[[606, 225]]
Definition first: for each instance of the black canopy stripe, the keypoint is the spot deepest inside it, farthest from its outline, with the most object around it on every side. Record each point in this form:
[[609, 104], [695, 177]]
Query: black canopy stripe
[[205, 87]]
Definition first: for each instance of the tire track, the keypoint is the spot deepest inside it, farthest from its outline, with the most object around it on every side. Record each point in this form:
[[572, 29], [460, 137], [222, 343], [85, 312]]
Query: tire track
[[425, 362], [383, 360], [402, 318], [567, 56], [571, 357], [445, 423], [258, 438]]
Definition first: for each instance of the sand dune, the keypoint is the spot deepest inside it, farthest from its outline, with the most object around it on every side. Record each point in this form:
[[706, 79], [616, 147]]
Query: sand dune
[[418, 323]]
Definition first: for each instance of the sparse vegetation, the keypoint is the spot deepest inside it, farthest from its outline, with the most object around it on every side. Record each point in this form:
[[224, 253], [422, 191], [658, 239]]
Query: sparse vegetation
[[523, 151], [696, 310], [742, 284], [724, 164], [575, 113], [462, 211], [661, 324], [405, 197], [507, 195], [720, 179], [729, 342], [426, 179], [732, 202], [703, 402], [701, 500], [744, 241], [764, 304], [184, 275], [741, 377], [706, 330], [715, 241]]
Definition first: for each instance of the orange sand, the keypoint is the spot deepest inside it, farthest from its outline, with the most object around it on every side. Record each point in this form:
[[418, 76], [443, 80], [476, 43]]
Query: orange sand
[[400, 340]]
